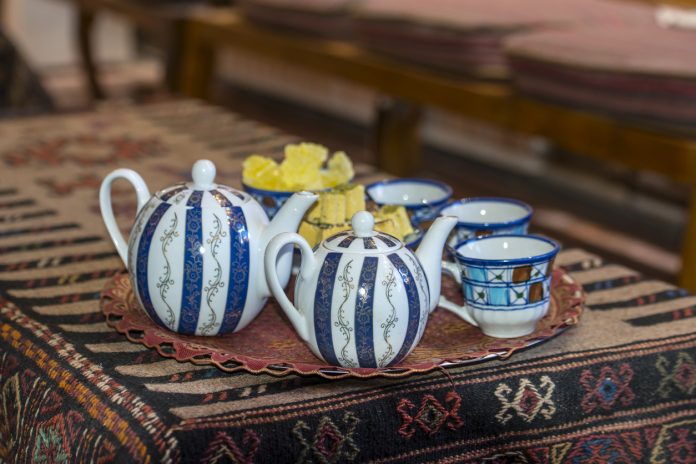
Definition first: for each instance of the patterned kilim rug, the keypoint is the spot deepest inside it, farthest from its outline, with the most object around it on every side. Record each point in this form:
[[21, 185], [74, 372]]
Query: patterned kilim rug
[[619, 387]]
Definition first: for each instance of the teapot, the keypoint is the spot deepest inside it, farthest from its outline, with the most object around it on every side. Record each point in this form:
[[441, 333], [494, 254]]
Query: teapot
[[195, 252], [362, 299]]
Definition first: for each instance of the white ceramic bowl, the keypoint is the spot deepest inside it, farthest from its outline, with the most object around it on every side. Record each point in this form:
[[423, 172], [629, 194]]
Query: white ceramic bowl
[[422, 197], [478, 217]]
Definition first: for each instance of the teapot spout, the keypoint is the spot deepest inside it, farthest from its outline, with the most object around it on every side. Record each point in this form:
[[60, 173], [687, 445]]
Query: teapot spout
[[429, 254], [287, 219]]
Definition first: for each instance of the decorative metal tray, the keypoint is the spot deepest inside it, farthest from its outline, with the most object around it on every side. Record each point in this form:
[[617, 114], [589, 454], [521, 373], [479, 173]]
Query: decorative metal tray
[[269, 344]]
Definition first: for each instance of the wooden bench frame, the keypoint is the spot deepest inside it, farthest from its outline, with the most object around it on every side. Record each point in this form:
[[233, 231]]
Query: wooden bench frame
[[408, 88]]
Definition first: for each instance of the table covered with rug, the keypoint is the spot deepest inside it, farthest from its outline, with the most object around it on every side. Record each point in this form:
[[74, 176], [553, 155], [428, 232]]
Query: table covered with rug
[[620, 386]]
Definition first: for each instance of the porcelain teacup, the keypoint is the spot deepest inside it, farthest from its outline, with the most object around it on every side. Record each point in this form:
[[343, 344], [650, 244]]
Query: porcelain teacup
[[422, 198], [506, 281], [479, 217]]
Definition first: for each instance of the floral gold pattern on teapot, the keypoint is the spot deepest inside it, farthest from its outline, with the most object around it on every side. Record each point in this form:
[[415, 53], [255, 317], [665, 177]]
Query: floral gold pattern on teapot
[[362, 299], [195, 252]]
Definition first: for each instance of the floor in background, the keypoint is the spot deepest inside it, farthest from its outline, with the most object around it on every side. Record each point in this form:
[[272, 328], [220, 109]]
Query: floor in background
[[68, 85], [622, 236]]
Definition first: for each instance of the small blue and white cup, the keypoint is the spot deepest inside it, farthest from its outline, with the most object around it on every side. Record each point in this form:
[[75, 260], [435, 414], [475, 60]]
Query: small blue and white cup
[[422, 198], [506, 281], [480, 217]]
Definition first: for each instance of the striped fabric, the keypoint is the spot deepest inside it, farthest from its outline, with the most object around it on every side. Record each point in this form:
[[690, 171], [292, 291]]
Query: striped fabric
[[621, 385], [466, 36], [644, 72], [322, 18]]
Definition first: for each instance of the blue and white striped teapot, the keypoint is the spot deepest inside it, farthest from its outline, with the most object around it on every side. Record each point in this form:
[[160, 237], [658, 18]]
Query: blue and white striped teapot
[[195, 252], [362, 299]]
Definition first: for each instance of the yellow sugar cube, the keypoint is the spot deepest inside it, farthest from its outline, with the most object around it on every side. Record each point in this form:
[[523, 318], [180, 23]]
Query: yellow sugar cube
[[314, 213], [312, 233], [386, 226], [355, 200], [261, 172], [340, 168], [396, 221], [333, 207], [301, 167]]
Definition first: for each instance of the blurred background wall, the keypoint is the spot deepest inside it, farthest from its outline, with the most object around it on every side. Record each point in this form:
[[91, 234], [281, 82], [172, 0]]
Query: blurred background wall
[[44, 30]]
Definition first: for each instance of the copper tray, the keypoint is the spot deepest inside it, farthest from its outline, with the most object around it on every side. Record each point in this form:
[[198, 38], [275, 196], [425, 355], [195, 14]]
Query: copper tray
[[269, 344]]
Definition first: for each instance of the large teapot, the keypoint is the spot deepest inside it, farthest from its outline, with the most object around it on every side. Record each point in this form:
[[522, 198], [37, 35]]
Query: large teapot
[[195, 252], [362, 299]]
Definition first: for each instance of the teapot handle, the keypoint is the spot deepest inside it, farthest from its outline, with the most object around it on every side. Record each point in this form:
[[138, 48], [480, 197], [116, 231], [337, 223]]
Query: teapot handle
[[462, 311], [143, 195], [297, 318]]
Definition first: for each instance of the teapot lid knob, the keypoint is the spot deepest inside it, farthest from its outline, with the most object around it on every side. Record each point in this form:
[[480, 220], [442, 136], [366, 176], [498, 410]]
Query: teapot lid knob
[[363, 224], [203, 174]]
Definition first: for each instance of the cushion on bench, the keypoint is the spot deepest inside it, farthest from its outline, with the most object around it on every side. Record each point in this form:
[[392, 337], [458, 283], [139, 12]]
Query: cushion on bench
[[323, 18], [466, 36], [643, 72]]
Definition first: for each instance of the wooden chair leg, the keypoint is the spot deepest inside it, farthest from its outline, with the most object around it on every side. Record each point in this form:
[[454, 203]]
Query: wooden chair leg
[[687, 276], [84, 36], [197, 64], [398, 146], [173, 55]]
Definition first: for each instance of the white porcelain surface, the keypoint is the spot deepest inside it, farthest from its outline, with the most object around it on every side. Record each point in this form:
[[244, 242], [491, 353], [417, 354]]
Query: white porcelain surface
[[486, 211], [478, 217], [362, 299], [502, 324], [406, 193], [195, 252]]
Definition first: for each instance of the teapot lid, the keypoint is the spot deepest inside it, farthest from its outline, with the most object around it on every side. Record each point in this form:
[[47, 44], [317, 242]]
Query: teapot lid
[[363, 237], [203, 177]]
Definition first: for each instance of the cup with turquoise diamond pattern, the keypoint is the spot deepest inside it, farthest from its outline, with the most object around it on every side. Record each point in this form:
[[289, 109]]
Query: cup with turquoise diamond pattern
[[506, 281]]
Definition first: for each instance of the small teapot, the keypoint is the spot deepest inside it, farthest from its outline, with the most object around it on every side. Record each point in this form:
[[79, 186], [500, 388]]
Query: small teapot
[[362, 298], [195, 252]]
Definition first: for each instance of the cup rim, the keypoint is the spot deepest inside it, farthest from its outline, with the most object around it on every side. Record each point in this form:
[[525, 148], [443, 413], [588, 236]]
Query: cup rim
[[526, 260], [509, 308], [491, 225], [416, 180]]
